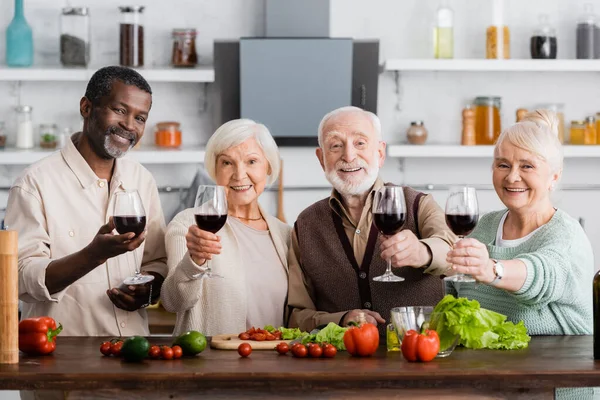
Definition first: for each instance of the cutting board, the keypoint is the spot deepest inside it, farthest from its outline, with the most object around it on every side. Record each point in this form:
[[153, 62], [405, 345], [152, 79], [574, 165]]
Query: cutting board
[[231, 342]]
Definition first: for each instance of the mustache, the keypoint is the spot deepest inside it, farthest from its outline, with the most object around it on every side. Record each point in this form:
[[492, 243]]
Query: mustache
[[121, 132]]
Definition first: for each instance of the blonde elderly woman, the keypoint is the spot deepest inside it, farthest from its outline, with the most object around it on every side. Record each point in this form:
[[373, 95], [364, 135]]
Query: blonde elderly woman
[[249, 252], [534, 261]]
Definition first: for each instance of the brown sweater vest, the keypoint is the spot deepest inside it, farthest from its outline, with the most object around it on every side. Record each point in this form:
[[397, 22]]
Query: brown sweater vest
[[340, 284]]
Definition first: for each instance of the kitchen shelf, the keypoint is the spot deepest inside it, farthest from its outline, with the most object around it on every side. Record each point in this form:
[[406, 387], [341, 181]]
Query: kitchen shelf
[[458, 151], [144, 155], [484, 65], [202, 74]]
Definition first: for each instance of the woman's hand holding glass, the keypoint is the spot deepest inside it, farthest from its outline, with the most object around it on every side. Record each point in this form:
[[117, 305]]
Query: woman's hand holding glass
[[470, 256], [202, 245]]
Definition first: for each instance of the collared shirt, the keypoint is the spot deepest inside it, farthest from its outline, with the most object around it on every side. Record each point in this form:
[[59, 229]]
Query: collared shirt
[[435, 234], [57, 206]]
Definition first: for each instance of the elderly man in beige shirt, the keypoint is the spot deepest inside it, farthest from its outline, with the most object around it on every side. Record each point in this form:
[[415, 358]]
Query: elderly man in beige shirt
[[71, 264]]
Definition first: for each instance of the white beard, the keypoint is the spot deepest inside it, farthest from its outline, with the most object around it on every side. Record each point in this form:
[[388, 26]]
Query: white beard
[[348, 188]]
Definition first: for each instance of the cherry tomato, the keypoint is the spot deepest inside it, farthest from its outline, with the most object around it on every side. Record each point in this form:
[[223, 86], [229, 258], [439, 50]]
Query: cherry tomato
[[244, 349], [244, 336], [329, 351], [177, 352], [315, 351], [282, 348], [299, 351], [115, 348], [166, 353], [259, 337], [269, 336], [154, 352], [105, 348]]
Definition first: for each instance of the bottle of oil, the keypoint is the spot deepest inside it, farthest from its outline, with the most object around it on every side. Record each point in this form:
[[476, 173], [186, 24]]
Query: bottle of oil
[[596, 316], [443, 36]]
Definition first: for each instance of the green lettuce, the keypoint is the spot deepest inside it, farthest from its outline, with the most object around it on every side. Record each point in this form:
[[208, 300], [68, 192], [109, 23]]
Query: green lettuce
[[291, 333], [332, 333], [478, 328]]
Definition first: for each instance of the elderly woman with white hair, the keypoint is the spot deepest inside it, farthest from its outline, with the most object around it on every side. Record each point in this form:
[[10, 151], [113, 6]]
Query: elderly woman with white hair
[[249, 252], [534, 261]]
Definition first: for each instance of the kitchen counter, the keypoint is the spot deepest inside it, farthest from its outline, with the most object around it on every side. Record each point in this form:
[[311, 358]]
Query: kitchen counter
[[78, 367]]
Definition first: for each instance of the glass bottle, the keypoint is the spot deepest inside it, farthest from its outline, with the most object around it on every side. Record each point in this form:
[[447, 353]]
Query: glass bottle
[[498, 34], [184, 48], [75, 36], [131, 37], [24, 127], [19, 39], [590, 136], [596, 300], [543, 42], [577, 133], [588, 35], [521, 113], [443, 37]]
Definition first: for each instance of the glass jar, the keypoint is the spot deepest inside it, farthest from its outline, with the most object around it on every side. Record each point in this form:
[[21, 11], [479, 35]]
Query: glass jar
[[416, 134], [48, 136], [184, 48], [591, 135], [598, 128], [2, 135], [498, 34], [131, 37], [168, 134], [24, 127], [443, 38], [487, 119], [558, 109], [577, 133], [521, 113], [588, 34], [543, 42], [75, 36]]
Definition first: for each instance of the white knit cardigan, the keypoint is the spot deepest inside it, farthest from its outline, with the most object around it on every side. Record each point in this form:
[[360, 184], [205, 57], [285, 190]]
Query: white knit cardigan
[[212, 306]]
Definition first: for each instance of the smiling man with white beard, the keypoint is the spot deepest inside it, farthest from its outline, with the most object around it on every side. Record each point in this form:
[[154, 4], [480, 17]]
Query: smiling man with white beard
[[336, 250]]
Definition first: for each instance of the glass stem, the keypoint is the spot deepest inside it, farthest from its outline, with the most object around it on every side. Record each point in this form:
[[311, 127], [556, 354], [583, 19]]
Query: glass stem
[[388, 269], [136, 265]]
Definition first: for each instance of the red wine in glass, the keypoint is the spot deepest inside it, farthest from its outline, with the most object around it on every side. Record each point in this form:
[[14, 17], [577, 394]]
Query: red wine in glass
[[209, 222], [130, 223], [389, 215], [462, 215]]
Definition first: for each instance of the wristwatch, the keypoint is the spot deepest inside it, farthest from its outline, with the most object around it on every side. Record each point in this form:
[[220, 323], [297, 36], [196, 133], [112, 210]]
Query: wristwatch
[[498, 271]]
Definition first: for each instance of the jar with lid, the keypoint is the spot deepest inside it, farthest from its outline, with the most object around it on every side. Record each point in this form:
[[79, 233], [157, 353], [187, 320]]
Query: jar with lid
[[416, 134], [577, 132], [487, 119], [168, 134], [498, 34], [131, 36], [543, 42], [184, 48], [590, 136], [24, 127], [48, 136], [558, 109], [75, 36], [443, 37], [2, 135], [598, 128], [588, 34]]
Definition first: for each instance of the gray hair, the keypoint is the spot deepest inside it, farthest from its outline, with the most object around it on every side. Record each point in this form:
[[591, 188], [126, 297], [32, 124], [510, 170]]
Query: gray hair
[[236, 132], [537, 133], [349, 110]]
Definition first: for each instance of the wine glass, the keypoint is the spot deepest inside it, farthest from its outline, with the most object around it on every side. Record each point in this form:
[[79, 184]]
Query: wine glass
[[389, 214], [462, 214], [210, 212], [129, 216]]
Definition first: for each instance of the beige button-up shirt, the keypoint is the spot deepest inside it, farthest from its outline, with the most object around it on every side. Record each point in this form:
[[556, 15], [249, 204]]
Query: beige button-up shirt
[[57, 206]]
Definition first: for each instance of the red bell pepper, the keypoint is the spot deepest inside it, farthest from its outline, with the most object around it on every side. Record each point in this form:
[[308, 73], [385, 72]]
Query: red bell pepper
[[422, 346], [362, 341], [37, 336]]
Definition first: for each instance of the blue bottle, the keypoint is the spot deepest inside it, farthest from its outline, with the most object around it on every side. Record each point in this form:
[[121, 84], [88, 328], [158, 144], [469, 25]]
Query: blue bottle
[[19, 40]]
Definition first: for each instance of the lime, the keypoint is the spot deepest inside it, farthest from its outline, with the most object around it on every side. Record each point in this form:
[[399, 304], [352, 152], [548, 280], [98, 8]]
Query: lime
[[135, 348], [191, 342]]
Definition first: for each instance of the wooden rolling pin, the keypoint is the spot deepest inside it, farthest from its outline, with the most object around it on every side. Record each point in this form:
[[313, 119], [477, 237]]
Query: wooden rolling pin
[[280, 215], [9, 298]]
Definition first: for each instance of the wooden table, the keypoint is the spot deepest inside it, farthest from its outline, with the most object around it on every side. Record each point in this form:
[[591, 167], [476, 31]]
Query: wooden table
[[78, 367]]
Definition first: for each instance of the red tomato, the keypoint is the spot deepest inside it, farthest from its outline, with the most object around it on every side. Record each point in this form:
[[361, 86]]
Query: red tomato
[[105, 348], [299, 351], [167, 353], [259, 337], [177, 352], [315, 351], [244, 336], [329, 351], [269, 336], [154, 352], [115, 348], [282, 348], [244, 349]]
